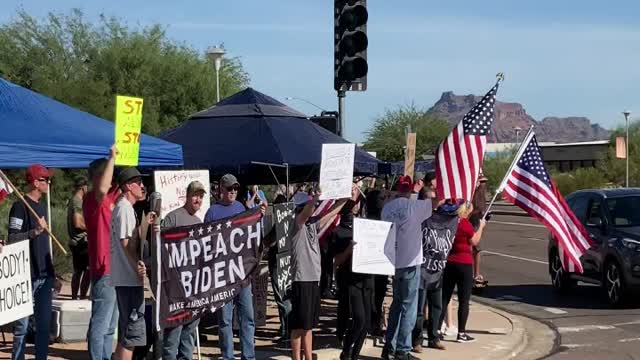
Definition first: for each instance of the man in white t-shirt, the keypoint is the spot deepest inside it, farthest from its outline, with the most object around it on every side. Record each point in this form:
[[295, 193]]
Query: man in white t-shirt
[[407, 216]]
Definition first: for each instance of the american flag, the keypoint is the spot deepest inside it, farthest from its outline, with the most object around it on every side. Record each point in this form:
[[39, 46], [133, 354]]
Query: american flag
[[321, 210], [459, 157], [530, 187]]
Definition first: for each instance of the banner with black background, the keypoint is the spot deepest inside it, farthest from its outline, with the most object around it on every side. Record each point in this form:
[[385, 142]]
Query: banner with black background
[[205, 265], [283, 218]]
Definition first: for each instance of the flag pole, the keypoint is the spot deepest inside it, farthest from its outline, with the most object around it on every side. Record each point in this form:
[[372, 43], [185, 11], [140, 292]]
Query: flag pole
[[503, 183], [33, 212]]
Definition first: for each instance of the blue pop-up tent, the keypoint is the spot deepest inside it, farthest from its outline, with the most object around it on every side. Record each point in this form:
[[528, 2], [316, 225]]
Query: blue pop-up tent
[[251, 127], [37, 129]]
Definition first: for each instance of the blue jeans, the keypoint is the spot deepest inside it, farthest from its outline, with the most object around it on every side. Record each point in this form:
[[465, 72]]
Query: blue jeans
[[403, 312], [41, 290], [244, 301], [104, 318], [178, 342]]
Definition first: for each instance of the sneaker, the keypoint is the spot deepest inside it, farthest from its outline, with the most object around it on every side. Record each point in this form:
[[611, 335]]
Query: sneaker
[[464, 338], [437, 345], [451, 331], [385, 355], [407, 356]]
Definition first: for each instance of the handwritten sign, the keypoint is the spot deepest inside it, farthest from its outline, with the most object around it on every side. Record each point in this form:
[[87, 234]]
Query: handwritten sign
[[172, 185], [410, 155], [375, 249], [336, 170], [15, 283], [283, 273], [128, 125], [283, 216]]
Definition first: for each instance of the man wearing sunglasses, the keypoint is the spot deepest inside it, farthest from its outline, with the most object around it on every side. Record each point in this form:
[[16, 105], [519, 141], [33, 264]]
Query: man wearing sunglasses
[[24, 225], [127, 268], [228, 206]]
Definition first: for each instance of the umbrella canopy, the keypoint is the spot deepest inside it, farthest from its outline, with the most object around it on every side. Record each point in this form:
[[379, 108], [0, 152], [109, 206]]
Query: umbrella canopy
[[253, 127], [38, 129]]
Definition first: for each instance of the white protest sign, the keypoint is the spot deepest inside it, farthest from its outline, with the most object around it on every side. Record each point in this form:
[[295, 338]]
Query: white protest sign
[[172, 185], [336, 170], [16, 300], [375, 249]]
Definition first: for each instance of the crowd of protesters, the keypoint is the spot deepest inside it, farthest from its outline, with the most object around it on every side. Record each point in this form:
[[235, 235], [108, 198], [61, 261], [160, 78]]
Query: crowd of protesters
[[437, 251]]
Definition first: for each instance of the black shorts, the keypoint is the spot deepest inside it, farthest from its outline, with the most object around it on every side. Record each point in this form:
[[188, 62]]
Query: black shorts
[[305, 305]]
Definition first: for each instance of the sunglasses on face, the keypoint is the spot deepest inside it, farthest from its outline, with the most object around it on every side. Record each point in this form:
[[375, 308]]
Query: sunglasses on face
[[136, 181], [47, 180], [233, 188]]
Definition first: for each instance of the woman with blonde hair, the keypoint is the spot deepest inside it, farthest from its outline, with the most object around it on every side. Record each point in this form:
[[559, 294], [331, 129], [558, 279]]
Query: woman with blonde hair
[[459, 269]]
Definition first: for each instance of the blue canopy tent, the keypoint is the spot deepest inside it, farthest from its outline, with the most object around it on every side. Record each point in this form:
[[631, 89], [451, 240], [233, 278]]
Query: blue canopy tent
[[38, 129], [421, 166], [251, 127]]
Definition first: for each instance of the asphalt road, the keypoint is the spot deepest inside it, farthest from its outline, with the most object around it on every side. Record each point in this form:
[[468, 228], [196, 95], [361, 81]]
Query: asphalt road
[[515, 263]]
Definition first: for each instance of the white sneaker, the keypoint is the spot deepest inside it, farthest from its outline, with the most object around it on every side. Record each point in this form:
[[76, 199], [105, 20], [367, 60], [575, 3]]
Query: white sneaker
[[452, 331]]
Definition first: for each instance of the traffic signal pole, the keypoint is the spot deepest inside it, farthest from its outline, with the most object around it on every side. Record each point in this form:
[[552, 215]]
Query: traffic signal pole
[[341, 96]]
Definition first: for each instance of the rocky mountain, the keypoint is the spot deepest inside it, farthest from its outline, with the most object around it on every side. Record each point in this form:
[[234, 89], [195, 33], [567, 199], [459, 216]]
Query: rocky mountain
[[453, 107]]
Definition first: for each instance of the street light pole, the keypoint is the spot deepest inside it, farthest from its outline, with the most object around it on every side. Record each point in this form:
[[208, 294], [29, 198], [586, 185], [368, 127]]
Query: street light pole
[[215, 54], [517, 129], [626, 114]]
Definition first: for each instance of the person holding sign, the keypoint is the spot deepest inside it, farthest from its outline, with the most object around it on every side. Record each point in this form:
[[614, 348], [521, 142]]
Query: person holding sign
[[178, 341], [305, 267], [356, 290], [128, 270], [23, 224], [407, 216]]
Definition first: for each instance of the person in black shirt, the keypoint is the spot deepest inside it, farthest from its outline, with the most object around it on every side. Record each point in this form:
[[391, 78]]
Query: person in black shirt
[[22, 223], [356, 290]]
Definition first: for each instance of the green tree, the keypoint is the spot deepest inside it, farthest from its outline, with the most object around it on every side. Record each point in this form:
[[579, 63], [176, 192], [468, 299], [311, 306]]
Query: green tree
[[495, 168], [86, 65], [387, 137], [614, 169]]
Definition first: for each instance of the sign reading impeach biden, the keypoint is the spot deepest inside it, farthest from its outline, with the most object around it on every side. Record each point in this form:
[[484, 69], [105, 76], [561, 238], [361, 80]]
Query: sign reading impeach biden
[[16, 300], [205, 265]]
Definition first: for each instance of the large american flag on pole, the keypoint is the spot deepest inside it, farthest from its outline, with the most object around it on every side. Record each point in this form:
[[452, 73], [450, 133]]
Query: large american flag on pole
[[529, 186], [459, 157]]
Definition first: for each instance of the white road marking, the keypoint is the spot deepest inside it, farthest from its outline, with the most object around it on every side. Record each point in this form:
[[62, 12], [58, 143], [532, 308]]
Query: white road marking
[[574, 346], [575, 329], [628, 340], [536, 239], [555, 311], [515, 257], [510, 297], [635, 322], [518, 224]]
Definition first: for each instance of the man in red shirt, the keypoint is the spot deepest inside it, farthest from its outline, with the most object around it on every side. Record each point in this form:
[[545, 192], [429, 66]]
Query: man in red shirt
[[97, 207]]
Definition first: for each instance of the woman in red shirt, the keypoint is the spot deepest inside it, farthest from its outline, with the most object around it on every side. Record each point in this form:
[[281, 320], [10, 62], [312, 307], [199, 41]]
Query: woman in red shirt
[[459, 268]]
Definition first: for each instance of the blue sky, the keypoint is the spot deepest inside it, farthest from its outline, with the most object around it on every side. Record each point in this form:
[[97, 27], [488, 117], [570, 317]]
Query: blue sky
[[560, 58]]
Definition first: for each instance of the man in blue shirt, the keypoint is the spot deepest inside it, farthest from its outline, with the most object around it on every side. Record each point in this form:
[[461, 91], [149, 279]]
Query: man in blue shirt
[[226, 207]]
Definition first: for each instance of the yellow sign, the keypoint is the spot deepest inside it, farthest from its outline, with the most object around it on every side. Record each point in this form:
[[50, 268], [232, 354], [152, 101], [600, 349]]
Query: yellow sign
[[128, 125]]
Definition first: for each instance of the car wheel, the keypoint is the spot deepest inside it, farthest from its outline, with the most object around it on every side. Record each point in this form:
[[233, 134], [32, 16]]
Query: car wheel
[[614, 283], [560, 280]]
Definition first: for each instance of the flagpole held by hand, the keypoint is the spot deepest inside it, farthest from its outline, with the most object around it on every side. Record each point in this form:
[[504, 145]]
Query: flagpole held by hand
[[33, 212], [503, 183]]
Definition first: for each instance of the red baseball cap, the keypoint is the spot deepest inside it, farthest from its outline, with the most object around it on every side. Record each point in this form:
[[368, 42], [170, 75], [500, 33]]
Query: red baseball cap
[[404, 184], [37, 171]]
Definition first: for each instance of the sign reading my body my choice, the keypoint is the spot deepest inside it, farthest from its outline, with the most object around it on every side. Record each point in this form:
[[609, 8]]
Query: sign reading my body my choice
[[128, 125], [15, 282]]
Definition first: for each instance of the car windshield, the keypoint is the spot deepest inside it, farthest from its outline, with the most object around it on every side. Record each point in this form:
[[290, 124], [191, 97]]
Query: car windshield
[[624, 211]]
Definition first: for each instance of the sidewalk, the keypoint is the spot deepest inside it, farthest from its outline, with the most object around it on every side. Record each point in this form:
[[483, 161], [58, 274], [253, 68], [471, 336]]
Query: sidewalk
[[499, 336]]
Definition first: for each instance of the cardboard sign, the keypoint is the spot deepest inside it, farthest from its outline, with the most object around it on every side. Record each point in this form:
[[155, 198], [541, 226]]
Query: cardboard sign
[[410, 155], [283, 217], [172, 185], [128, 125], [16, 299], [375, 249], [336, 170]]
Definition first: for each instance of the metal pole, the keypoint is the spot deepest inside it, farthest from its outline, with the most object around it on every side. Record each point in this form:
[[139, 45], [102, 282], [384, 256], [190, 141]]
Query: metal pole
[[49, 221], [341, 96], [287, 181], [217, 85]]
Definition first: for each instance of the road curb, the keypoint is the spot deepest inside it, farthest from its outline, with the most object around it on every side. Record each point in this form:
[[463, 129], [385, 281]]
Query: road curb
[[508, 213], [518, 329]]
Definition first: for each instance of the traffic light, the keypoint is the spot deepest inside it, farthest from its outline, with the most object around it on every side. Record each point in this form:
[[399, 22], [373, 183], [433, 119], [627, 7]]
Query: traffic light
[[350, 45], [328, 120]]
